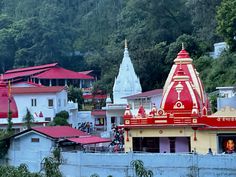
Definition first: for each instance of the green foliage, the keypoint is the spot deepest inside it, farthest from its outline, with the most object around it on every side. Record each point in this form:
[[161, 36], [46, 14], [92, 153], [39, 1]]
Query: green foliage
[[9, 122], [203, 19], [21, 171], [84, 35], [140, 170], [28, 119], [220, 72], [4, 142], [51, 167], [226, 20], [59, 121], [63, 114], [94, 175], [75, 94]]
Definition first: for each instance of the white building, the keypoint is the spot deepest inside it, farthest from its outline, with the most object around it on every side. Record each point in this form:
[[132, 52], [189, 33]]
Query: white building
[[218, 49], [226, 97], [42, 102]]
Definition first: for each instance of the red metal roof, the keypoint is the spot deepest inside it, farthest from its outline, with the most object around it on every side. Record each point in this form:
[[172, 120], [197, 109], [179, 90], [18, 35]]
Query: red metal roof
[[61, 73], [146, 94], [12, 75], [98, 113], [32, 68], [27, 90], [60, 131], [86, 72], [89, 140]]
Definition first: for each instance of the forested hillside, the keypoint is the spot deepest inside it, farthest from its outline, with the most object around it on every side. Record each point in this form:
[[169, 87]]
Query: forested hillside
[[89, 34]]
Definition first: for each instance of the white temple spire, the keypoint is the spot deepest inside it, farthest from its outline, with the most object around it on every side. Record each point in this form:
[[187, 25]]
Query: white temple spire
[[127, 83]]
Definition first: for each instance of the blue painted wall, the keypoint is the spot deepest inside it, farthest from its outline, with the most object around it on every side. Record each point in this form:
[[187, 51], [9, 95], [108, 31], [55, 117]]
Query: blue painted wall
[[79, 164]]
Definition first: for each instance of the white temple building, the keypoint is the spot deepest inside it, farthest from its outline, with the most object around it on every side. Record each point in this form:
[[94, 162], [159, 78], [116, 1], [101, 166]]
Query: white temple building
[[126, 84]]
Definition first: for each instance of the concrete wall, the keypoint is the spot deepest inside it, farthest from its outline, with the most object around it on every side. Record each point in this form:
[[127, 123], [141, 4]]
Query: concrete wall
[[118, 165]]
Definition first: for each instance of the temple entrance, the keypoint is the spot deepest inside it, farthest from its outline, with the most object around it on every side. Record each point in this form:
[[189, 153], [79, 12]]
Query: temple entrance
[[146, 144], [161, 144]]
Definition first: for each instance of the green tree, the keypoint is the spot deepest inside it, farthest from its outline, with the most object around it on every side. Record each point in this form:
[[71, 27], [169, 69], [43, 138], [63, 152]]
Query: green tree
[[226, 22], [28, 119], [140, 170], [75, 94], [203, 19]]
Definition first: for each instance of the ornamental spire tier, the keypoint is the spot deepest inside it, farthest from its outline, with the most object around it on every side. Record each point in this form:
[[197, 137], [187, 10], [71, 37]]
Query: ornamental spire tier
[[183, 64], [127, 83]]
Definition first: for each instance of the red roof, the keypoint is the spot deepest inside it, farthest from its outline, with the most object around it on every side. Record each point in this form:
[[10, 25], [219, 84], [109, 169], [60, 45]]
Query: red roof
[[27, 90], [86, 97], [11, 75], [61, 73], [98, 113], [89, 140], [146, 94], [60, 131], [32, 68], [86, 72]]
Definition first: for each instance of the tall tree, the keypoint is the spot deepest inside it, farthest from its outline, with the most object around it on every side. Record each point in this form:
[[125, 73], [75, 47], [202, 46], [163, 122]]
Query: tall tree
[[226, 20]]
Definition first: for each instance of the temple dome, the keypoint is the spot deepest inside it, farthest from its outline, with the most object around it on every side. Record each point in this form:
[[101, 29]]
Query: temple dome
[[183, 91], [4, 102], [183, 63], [181, 98]]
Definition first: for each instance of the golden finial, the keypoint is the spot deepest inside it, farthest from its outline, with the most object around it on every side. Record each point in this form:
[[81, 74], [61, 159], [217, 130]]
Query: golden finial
[[126, 45], [182, 46]]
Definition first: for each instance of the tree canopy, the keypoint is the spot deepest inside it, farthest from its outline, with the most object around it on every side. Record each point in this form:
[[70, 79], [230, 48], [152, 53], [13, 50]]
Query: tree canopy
[[89, 35]]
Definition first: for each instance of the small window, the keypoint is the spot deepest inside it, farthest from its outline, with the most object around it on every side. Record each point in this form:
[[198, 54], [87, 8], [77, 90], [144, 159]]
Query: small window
[[48, 119], [33, 102], [34, 140], [50, 102]]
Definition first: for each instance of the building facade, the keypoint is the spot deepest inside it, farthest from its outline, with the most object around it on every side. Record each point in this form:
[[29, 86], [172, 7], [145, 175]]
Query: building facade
[[182, 122]]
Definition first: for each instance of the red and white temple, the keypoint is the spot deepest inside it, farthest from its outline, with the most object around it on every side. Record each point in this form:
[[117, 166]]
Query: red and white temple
[[182, 123]]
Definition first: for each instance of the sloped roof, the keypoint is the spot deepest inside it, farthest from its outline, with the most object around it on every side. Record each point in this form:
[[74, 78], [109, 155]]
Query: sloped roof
[[89, 140], [60, 131], [11, 75], [145, 94], [27, 90], [61, 73], [32, 68]]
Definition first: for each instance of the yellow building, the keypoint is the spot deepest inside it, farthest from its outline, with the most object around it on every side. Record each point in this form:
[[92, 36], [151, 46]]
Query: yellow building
[[182, 123]]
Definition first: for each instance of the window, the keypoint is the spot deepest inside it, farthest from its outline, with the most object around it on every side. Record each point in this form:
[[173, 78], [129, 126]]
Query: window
[[34, 140], [33, 102], [50, 102], [48, 119]]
